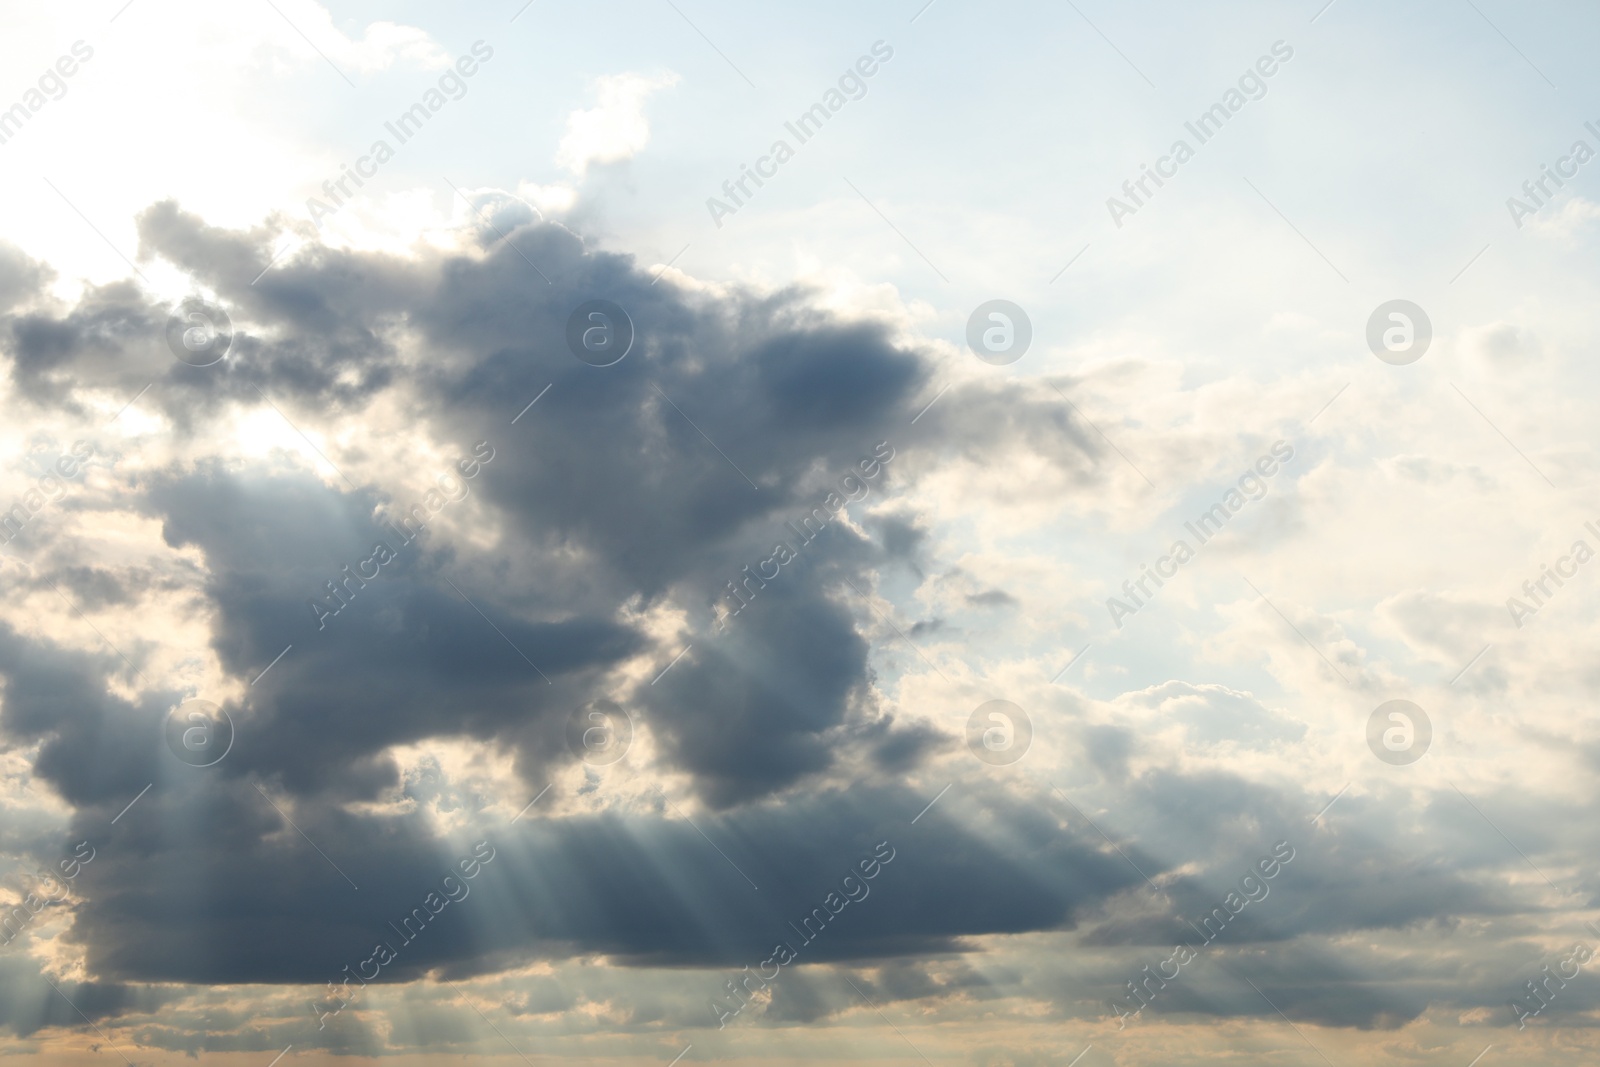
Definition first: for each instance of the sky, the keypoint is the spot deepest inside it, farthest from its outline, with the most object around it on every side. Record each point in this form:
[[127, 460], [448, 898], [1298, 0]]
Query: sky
[[895, 533]]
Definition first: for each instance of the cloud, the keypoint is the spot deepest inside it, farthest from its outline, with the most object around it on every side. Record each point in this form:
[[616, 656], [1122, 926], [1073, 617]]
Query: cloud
[[552, 199], [381, 45], [1214, 714], [20, 276], [585, 558], [795, 395], [615, 129], [587, 547], [1568, 222], [635, 888]]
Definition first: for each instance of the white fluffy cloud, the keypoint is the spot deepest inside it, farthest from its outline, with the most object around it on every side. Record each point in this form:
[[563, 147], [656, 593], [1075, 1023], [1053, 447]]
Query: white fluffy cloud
[[615, 129], [381, 45]]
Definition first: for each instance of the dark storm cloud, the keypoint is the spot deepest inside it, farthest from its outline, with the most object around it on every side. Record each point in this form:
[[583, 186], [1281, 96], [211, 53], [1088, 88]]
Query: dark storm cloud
[[95, 746], [768, 700], [901, 748], [606, 492], [51, 355], [253, 904], [607, 496], [1356, 871], [204, 881], [1376, 864], [405, 659], [604, 501], [28, 1004], [326, 337]]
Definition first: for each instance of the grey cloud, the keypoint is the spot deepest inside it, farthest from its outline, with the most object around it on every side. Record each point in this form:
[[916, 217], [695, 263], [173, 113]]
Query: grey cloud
[[21, 277], [605, 499], [604, 502], [257, 905]]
